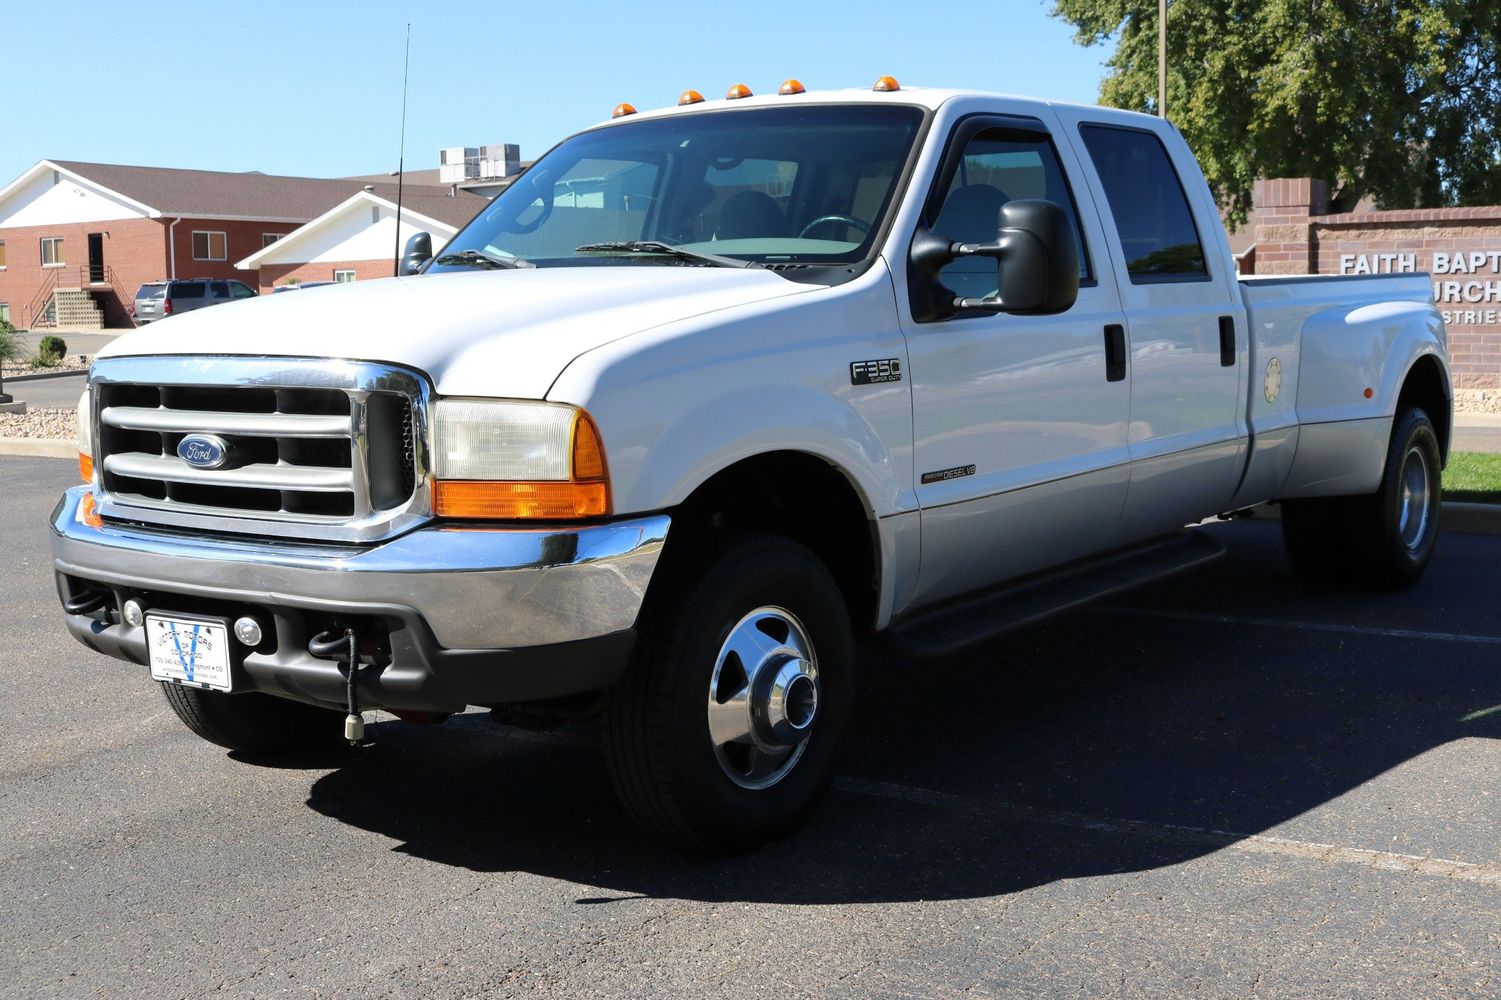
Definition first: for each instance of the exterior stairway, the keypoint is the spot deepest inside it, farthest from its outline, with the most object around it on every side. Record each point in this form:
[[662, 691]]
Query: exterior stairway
[[75, 309]]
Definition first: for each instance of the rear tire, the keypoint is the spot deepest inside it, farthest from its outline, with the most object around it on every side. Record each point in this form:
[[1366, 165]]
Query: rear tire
[[1392, 532], [1383, 539], [253, 722], [723, 733]]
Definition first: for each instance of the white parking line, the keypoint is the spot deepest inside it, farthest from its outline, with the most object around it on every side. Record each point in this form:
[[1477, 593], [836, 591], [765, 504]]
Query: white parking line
[[1394, 633], [1478, 873], [1487, 874]]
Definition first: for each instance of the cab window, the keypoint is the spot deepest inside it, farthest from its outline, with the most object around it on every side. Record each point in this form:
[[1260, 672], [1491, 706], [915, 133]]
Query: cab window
[[998, 165], [1157, 233]]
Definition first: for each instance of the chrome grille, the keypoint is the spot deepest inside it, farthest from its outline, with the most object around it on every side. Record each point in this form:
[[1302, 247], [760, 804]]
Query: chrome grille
[[314, 449]]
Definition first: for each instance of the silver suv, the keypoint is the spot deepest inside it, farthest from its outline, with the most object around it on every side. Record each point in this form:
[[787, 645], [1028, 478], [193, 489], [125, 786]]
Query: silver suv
[[158, 299]]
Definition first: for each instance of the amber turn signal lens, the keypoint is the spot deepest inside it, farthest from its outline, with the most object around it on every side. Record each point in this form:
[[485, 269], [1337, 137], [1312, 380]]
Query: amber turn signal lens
[[89, 514], [691, 97], [790, 87], [622, 109], [520, 501], [86, 467], [588, 451], [886, 83], [738, 91]]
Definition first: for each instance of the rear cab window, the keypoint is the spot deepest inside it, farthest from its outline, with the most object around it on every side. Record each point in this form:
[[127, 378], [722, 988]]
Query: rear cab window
[[151, 291], [1158, 238]]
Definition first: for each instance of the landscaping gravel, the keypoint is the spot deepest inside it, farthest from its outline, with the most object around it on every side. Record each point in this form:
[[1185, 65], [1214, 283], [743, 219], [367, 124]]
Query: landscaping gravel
[[54, 424], [74, 365]]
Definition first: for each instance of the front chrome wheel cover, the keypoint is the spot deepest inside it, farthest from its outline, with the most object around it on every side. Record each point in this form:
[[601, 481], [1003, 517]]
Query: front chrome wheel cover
[[1415, 486], [763, 697]]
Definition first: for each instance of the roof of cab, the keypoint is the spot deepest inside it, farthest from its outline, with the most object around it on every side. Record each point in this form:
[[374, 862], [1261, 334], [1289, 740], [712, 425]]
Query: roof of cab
[[926, 97]]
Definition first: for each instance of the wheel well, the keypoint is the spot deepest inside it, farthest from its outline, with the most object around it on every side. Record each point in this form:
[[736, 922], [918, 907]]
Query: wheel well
[[1425, 386], [796, 496]]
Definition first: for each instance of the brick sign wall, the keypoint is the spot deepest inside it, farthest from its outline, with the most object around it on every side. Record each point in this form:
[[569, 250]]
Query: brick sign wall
[[1459, 247]]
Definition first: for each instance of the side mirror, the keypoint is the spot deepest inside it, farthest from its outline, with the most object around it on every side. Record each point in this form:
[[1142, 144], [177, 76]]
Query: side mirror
[[419, 250], [1037, 260]]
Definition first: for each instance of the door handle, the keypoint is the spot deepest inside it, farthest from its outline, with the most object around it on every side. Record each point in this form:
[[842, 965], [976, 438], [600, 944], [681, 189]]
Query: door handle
[[1227, 341], [1115, 352]]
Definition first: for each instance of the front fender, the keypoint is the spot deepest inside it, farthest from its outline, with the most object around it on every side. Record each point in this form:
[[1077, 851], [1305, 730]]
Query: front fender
[[679, 403]]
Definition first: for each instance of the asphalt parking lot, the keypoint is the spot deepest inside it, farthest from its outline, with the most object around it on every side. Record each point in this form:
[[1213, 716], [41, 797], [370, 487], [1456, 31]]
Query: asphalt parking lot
[[1225, 785]]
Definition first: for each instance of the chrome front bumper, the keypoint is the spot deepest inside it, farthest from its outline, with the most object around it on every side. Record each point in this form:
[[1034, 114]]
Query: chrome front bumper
[[453, 592]]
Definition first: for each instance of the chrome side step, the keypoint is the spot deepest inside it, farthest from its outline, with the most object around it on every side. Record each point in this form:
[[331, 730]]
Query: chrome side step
[[969, 620]]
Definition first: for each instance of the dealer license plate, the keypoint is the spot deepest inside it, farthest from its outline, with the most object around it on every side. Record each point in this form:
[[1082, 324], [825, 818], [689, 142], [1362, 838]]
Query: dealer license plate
[[189, 651]]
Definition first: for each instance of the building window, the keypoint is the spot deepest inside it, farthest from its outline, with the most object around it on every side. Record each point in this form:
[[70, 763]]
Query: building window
[[269, 238], [343, 275], [52, 251], [210, 246], [2, 255], [5, 313]]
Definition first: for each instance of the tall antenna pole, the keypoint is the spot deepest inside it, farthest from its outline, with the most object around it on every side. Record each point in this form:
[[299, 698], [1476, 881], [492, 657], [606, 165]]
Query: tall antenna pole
[[401, 159], [1161, 59]]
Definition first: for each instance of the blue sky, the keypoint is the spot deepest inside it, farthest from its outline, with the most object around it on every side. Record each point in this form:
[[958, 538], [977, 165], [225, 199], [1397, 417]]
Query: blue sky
[[314, 88]]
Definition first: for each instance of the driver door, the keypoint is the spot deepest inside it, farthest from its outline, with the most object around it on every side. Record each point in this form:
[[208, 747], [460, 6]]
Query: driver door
[[1020, 425]]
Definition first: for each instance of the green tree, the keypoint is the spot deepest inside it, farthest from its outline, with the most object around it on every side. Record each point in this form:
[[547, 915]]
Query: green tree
[[1396, 99]]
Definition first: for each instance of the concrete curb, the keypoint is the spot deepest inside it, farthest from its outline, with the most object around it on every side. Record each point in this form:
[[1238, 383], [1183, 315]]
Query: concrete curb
[[39, 447], [32, 378], [1474, 518], [1454, 515]]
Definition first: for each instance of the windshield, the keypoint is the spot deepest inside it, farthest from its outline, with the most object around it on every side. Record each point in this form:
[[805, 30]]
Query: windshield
[[768, 185]]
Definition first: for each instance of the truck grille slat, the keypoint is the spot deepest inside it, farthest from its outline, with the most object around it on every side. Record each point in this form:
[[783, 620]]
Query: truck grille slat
[[259, 476], [219, 422], [329, 445]]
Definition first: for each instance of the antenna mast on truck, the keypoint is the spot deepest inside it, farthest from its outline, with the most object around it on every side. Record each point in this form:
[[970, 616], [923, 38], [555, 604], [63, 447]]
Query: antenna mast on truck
[[401, 157]]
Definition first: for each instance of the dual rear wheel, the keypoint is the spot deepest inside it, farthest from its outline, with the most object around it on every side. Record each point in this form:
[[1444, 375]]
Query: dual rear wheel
[[1383, 539]]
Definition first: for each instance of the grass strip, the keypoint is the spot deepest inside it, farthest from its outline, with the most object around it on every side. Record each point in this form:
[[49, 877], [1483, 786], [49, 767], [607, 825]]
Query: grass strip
[[1473, 477]]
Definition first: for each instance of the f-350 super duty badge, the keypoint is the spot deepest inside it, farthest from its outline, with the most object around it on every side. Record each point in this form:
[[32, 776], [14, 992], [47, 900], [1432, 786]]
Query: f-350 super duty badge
[[869, 372]]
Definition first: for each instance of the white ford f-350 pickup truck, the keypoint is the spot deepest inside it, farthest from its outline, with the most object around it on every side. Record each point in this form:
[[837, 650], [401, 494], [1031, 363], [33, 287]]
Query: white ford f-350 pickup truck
[[710, 393]]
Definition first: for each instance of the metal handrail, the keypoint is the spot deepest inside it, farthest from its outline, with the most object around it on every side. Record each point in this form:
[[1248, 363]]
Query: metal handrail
[[43, 296], [37, 310]]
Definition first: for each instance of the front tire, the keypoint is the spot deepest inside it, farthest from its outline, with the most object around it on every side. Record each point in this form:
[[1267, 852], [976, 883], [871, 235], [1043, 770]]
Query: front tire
[[723, 733], [252, 722]]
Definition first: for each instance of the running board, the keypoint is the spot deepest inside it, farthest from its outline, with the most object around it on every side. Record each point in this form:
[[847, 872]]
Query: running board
[[952, 627]]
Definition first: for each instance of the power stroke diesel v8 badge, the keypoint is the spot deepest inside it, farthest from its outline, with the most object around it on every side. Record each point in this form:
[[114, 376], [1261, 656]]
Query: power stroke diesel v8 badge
[[869, 372]]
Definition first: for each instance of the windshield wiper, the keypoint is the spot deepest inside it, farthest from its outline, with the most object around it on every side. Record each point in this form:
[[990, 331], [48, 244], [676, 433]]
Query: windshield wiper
[[482, 259], [666, 250]]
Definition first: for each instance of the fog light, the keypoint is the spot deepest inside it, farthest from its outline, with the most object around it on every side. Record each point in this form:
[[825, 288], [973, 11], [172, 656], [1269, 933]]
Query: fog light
[[135, 615], [248, 631]]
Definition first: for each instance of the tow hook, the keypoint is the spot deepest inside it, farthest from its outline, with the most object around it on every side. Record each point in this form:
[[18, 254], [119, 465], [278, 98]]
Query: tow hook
[[328, 644]]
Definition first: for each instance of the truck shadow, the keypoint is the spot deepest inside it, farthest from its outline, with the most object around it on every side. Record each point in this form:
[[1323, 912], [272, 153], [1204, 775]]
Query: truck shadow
[[1111, 740]]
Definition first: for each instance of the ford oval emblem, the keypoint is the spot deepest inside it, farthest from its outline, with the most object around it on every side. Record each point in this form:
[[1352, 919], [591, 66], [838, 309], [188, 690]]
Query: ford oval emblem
[[203, 451]]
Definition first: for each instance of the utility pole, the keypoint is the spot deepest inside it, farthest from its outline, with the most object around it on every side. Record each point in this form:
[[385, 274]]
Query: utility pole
[[1161, 58]]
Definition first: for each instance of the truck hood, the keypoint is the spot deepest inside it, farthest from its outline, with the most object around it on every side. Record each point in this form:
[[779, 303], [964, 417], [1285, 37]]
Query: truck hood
[[476, 333]]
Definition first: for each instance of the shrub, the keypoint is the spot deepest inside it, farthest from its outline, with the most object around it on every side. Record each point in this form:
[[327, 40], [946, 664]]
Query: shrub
[[52, 347], [11, 347]]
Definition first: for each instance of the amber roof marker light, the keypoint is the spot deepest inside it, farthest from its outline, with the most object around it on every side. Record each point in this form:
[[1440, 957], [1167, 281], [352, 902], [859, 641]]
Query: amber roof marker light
[[738, 91], [790, 87], [690, 97], [886, 84], [622, 109]]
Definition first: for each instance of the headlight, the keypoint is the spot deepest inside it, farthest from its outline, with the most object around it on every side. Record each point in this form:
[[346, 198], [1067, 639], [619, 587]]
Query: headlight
[[512, 460], [85, 439]]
